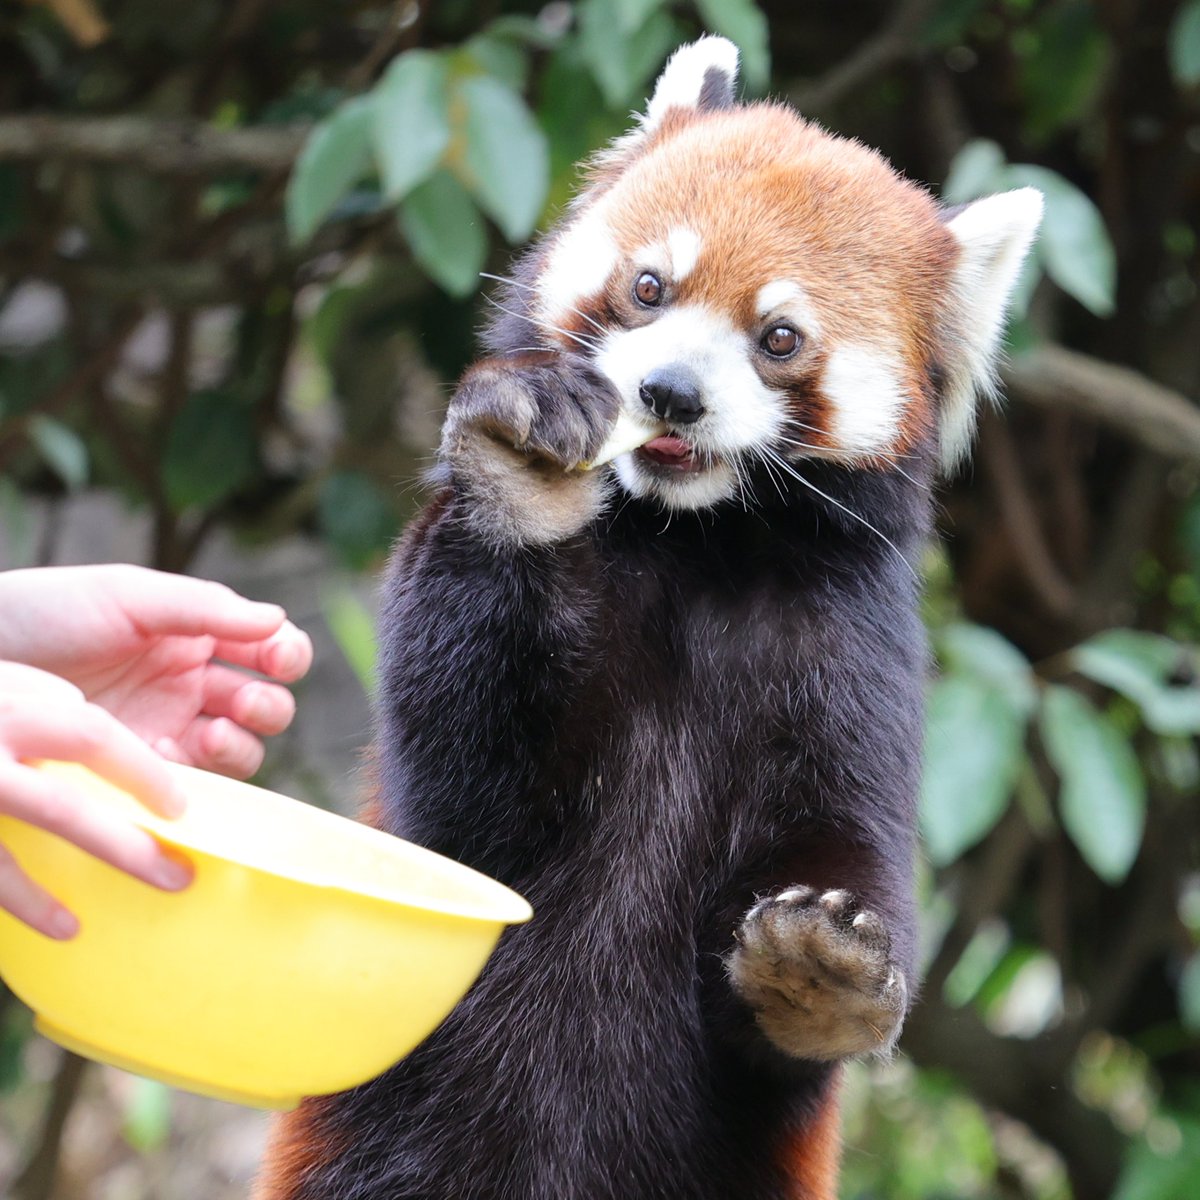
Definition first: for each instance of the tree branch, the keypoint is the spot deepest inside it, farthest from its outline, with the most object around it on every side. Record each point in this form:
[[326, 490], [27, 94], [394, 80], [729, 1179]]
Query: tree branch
[[173, 147], [1144, 411], [1021, 521], [894, 42]]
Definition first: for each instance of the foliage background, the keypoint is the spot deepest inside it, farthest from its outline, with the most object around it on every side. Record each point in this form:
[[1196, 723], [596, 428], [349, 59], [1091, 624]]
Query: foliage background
[[240, 248]]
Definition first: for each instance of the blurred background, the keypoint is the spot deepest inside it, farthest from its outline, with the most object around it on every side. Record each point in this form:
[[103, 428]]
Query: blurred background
[[240, 258]]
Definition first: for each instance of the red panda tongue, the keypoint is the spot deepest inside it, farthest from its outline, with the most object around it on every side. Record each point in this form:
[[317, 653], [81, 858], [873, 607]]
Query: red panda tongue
[[669, 450]]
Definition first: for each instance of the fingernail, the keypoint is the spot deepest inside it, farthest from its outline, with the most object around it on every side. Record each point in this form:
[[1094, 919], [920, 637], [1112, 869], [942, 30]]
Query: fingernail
[[63, 925], [172, 875]]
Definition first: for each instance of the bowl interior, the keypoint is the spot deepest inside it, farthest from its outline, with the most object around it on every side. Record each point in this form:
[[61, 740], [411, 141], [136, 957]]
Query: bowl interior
[[269, 832]]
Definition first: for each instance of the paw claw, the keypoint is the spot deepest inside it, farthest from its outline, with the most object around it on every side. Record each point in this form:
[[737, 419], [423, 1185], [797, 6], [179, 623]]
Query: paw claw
[[818, 973]]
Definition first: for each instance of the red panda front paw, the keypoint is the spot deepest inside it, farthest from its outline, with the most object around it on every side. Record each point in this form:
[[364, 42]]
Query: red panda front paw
[[545, 408], [514, 433], [819, 975]]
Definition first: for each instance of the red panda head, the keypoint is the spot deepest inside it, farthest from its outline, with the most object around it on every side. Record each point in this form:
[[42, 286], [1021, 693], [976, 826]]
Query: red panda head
[[766, 288]]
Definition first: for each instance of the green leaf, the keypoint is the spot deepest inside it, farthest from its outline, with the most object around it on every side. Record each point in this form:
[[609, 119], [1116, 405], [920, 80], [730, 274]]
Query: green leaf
[[973, 753], [1189, 993], [211, 450], [1152, 1173], [335, 157], [16, 1025], [977, 170], [504, 58], [742, 22], [446, 233], [62, 449], [357, 517], [147, 1117], [1139, 666], [411, 120], [1183, 44], [1074, 245], [1102, 798], [575, 117], [1060, 83], [354, 631], [525, 29], [17, 523], [950, 22], [975, 650], [633, 14], [507, 163], [622, 62]]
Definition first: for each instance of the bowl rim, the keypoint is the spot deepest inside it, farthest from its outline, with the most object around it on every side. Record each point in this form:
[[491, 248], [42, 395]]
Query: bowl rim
[[499, 903]]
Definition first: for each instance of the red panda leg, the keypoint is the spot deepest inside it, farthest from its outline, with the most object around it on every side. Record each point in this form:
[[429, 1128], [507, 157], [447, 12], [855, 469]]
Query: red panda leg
[[812, 1155]]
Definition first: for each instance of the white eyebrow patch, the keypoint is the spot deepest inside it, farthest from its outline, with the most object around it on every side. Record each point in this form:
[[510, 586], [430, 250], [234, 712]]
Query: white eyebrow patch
[[789, 298], [863, 387], [684, 245], [577, 266]]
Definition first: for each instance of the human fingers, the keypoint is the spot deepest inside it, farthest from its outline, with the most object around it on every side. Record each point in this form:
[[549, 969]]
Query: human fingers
[[162, 604], [218, 745], [262, 708], [32, 904], [32, 681], [56, 806], [286, 655], [38, 726]]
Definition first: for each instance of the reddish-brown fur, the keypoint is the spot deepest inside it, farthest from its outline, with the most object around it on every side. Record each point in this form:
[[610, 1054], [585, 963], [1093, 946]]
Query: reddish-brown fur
[[813, 1156]]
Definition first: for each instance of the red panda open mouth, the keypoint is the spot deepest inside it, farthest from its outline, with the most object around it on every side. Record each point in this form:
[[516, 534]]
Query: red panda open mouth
[[673, 452]]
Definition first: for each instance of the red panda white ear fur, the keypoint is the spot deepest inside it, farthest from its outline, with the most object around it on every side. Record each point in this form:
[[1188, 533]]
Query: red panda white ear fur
[[700, 75], [994, 236]]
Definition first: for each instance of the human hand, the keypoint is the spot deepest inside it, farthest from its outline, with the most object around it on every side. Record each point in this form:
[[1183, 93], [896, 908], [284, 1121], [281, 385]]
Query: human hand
[[43, 716], [144, 646]]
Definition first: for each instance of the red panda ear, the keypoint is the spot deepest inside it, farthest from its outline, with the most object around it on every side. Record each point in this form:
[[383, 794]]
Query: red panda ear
[[700, 76], [994, 236]]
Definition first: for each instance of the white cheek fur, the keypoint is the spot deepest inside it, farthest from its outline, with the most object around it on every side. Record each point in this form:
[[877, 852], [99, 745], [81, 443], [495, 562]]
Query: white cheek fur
[[578, 266], [866, 400]]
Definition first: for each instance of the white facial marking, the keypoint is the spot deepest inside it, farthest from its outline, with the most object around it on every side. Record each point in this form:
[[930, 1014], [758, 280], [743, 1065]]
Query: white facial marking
[[577, 266], [684, 245], [863, 387], [786, 298], [741, 412], [682, 80], [994, 236]]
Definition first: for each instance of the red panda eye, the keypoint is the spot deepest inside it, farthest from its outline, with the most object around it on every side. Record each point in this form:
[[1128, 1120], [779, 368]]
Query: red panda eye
[[780, 341], [648, 289]]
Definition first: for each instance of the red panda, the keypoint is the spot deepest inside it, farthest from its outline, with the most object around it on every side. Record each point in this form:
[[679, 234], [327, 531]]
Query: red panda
[[676, 701]]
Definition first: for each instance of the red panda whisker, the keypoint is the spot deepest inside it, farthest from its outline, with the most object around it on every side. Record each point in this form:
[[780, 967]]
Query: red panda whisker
[[517, 283], [809, 446], [812, 487], [585, 341]]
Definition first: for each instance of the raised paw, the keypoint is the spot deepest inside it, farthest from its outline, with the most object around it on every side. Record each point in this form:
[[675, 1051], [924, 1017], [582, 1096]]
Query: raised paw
[[819, 975], [545, 408], [515, 430]]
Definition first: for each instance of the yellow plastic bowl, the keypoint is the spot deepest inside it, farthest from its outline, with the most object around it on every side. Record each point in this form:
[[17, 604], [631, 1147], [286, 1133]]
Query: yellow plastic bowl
[[307, 956]]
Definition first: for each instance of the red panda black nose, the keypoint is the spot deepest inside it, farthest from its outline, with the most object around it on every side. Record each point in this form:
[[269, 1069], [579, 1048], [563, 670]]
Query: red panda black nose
[[673, 393]]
